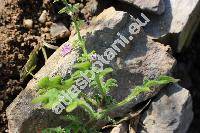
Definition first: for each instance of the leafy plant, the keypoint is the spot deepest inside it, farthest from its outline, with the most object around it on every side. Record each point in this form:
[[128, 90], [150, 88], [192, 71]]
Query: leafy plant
[[100, 103]]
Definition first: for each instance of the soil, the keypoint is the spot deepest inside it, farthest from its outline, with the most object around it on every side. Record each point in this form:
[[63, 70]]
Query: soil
[[16, 43]]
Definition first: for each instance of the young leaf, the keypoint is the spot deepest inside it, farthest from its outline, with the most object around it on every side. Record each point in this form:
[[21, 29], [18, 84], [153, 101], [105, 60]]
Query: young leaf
[[161, 80], [82, 66], [104, 72], [68, 83], [73, 105], [49, 99], [110, 83], [44, 82]]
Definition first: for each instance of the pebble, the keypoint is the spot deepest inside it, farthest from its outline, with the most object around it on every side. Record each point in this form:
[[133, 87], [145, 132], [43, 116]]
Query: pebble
[[1, 105], [28, 23], [58, 30], [45, 30], [48, 24], [43, 17]]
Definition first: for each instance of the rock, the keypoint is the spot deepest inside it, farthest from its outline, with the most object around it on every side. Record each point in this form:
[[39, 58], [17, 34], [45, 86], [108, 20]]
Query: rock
[[90, 8], [141, 58], [121, 128], [28, 23], [58, 31], [180, 18], [43, 17], [154, 6], [170, 112]]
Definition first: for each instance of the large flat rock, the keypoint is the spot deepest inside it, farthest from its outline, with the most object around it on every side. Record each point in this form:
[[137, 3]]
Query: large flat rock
[[180, 17], [140, 58], [154, 6], [170, 112]]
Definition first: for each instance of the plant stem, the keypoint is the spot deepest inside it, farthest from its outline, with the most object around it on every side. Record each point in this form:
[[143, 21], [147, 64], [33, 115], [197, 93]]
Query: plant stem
[[45, 54], [88, 108], [122, 103], [82, 42]]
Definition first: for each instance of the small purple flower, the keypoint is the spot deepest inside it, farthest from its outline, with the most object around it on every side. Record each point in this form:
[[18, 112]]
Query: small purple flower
[[67, 48], [94, 57]]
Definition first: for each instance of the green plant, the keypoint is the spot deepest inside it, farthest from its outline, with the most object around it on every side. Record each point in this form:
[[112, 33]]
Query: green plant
[[97, 105]]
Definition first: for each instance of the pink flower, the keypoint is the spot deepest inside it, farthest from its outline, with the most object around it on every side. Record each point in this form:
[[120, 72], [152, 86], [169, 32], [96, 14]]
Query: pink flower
[[67, 48], [93, 57]]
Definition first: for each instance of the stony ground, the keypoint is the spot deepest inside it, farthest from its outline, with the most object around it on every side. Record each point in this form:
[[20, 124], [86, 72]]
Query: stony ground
[[17, 41]]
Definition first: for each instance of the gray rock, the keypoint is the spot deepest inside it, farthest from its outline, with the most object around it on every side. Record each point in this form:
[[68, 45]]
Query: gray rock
[[154, 6], [58, 31], [180, 16], [170, 112], [140, 58]]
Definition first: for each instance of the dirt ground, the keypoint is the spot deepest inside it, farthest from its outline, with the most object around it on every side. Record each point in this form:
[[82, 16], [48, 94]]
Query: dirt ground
[[16, 43]]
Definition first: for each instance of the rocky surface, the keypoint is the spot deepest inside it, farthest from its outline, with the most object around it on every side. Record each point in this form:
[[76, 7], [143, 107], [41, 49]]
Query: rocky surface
[[154, 6], [141, 58], [179, 17], [170, 112]]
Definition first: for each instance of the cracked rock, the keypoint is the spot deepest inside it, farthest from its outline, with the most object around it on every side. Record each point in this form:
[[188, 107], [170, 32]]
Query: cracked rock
[[181, 17], [154, 6], [141, 57], [170, 112]]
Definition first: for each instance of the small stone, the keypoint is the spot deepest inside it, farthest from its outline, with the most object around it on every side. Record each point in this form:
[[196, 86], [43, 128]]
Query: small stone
[[43, 17], [48, 24], [58, 31], [28, 23], [1, 105], [45, 30]]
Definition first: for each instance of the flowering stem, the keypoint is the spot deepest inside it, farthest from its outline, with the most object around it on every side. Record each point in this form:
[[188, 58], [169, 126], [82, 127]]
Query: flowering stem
[[80, 38]]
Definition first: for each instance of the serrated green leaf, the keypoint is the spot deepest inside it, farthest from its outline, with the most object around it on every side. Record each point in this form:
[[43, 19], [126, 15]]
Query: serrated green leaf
[[105, 72], [68, 83], [161, 80], [56, 80], [64, 10], [110, 83], [82, 66], [44, 82], [76, 75], [49, 99]]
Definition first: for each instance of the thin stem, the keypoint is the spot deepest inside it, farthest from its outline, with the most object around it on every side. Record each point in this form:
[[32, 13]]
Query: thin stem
[[82, 42], [45, 54], [122, 103], [88, 99], [88, 108]]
